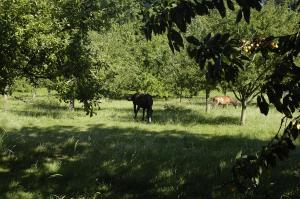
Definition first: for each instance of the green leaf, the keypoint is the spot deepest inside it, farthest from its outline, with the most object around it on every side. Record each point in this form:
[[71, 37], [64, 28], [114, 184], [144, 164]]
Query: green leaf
[[225, 37], [176, 37], [271, 160], [262, 104], [256, 180], [171, 46], [239, 16], [294, 133], [246, 12], [230, 5], [178, 19], [193, 40], [256, 4], [239, 154], [220, 7], [290, 144], [207, 38], [201, 9]]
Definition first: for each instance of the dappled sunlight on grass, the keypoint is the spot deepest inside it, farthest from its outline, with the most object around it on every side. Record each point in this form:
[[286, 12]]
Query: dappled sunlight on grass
[[184, 153]]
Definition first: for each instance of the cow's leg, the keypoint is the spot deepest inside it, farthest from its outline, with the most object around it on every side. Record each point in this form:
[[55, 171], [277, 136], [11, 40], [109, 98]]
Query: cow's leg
[[216, 104], [213, 104], [143, 114], [136, 111], [149, 114]]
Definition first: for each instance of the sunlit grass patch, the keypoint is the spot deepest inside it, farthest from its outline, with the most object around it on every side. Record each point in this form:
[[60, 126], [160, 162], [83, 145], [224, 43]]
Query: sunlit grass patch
[[20, 195], [52, 166], [4, 169], [32, 170], [41, 148], [14, 184], [2, 139]]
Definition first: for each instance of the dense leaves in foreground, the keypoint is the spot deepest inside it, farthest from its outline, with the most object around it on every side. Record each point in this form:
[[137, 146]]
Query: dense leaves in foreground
[[282, 88], [283, 91], [168, 16], [217, 53], [248, 169]]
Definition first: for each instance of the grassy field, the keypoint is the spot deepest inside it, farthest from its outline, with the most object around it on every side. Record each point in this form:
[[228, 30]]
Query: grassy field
[[49, 152]]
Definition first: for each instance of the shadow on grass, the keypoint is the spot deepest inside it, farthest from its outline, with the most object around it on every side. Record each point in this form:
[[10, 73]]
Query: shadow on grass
[[38, 113], [181, 115], [169, 114], [47, 109], [113, 163], [46, 106]]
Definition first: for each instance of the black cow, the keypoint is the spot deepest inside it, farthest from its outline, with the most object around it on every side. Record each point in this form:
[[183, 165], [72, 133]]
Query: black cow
[[143, 101]]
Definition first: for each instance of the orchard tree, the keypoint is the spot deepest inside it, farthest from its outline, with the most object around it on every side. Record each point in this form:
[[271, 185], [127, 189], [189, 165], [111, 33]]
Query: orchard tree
[[78, 18], [49, 39], [131, 63], [250, 81], [188, 80], [27, 48], [38, 41]]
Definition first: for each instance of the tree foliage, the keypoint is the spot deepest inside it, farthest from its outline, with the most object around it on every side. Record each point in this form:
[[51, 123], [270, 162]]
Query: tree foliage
[[30, 41], [128, 63], [49, 39]]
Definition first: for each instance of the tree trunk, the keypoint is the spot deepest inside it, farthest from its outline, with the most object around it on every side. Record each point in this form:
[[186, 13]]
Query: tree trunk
[[243, 113], [207, 92], [72, 105], [180, 95], [6, 90]]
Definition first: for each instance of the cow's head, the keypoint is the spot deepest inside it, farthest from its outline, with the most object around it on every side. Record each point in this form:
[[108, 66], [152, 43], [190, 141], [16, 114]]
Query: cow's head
[[131, 97], [235, 103]]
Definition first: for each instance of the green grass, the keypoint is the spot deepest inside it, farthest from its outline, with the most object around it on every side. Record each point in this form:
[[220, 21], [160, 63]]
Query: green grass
[[49, 152]]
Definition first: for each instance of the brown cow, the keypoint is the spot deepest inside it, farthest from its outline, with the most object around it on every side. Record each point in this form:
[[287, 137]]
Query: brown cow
[[224, 100]]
